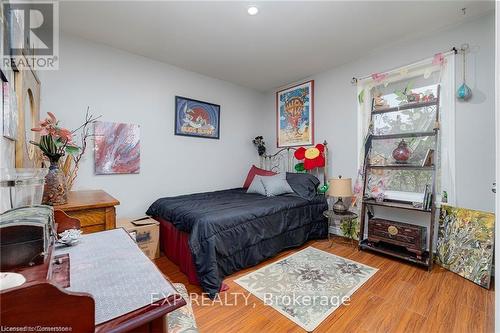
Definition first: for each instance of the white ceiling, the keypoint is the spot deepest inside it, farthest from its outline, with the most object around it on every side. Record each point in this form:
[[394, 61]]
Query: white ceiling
[[285, 42]]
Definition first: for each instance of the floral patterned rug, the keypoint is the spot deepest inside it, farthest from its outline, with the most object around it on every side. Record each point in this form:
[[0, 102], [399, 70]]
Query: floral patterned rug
[[182, 320], [308, 285]]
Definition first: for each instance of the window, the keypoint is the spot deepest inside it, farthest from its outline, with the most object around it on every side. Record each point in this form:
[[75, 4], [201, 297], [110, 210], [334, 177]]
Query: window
[[407, 121], [406, 118]]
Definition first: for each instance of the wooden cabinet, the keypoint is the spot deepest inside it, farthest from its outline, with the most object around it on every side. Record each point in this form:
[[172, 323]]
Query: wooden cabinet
[[95, 209]]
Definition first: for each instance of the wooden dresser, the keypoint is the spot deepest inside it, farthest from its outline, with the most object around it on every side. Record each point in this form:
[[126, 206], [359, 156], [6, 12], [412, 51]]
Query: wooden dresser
[[95, 209]]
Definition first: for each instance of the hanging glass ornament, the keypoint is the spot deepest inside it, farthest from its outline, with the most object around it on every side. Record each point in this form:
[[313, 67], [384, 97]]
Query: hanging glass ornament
[[464, 92]]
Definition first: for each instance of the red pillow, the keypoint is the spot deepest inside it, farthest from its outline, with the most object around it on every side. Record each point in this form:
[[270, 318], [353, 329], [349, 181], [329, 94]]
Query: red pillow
[[256, 171]]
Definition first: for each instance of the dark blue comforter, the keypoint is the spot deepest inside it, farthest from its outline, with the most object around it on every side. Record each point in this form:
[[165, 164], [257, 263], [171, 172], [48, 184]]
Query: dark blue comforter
[[231, 230]]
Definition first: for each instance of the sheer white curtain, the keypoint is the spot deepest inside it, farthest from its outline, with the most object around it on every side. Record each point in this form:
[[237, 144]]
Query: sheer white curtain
[[447, 128], [439, 69]]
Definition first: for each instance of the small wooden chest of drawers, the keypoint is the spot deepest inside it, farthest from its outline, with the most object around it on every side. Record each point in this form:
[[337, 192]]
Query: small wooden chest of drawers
[[95, 210], [412, 237]]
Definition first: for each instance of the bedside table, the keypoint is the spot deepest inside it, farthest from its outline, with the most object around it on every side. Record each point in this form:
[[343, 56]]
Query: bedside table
[[335, 220], [95, 210]]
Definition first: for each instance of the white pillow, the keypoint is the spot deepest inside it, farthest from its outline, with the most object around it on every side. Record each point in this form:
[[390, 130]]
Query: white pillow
[[256, 186], [276, 185]]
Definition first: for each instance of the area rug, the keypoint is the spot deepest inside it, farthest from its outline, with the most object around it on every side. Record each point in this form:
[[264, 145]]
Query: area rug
[[308, 285], [182, 319]]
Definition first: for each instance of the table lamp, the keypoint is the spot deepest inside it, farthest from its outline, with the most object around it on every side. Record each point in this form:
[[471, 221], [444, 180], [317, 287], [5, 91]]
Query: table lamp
[[340, 188]]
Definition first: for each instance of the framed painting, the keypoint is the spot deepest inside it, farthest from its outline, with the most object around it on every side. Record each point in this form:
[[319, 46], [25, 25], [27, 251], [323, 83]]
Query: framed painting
[[465, 243], [9, 110], [196, 118], [117, 148], [295, 115]]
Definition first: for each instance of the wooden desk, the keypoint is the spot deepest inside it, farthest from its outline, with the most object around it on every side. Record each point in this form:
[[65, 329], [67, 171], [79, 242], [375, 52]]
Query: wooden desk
[[43, 301], [95, 209]]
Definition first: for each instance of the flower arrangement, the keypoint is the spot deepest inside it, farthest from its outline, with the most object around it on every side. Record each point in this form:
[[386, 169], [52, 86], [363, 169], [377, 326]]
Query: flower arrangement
[[56, 142], [260, 144]]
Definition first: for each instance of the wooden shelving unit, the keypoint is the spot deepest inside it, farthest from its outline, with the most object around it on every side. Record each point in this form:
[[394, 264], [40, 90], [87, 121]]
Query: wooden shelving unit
[[403, 135], [387, 249], [398, 253], [401, 166], [395, 204], [407, 106]]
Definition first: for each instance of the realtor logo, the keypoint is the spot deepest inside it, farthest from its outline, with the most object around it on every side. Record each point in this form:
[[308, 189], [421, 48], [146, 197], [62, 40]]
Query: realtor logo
[[31, 39]]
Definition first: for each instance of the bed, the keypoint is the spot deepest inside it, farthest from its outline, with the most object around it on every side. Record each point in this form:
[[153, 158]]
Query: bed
[[212, 235]]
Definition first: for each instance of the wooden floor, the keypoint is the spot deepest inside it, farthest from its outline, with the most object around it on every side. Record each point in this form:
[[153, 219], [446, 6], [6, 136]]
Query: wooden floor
[[399, 298]]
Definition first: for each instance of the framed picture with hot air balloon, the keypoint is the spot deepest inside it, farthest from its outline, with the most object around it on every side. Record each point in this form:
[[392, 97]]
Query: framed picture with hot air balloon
[[196, 118], [295, 115]]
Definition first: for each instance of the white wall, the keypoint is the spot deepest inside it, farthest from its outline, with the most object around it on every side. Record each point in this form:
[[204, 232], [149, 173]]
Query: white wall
[[131, 89], [336, 119]]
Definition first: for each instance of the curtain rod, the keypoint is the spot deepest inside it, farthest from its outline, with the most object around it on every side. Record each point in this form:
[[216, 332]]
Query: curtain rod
[[355, 80]]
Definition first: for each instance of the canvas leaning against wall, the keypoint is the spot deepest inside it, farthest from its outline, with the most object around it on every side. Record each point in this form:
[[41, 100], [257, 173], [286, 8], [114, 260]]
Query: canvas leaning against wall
[[196, 118], [117, 148], [465, 243], [295, 115]]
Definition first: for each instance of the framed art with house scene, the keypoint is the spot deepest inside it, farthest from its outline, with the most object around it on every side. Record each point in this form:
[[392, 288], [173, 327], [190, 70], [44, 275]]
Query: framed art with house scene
[[196, 118], [295, 115]]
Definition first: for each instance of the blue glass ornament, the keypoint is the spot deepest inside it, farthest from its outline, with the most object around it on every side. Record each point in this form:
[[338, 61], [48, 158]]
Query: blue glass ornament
[[464, 92]]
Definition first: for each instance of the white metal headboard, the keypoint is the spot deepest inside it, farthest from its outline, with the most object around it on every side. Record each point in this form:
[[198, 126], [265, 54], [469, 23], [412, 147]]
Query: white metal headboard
[[284, 161]]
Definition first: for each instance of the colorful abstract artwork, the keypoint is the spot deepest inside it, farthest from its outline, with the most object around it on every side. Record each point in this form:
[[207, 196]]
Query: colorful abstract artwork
[[196, 118], [295, 115], [117, 148], [465, 243]]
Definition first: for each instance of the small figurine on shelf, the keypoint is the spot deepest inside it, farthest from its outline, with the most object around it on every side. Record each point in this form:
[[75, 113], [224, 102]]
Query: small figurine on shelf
[[444, 199], [379, 102], [378, 193], [406, 95], [413, 97], [380, 197], [377, 189], [378, 160], [428, 96]]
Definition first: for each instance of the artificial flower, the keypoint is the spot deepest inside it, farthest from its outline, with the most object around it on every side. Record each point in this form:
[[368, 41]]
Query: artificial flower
[[55, 141], [378, 77], [47, 126], [438, 59], [313, 157], [65, 135]]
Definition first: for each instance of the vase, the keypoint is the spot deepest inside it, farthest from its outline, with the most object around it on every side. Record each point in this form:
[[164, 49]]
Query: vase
[[402, 153], [55, 190]]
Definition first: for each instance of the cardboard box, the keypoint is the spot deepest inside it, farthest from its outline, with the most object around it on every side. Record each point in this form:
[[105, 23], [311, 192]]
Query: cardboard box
[[146, 233]]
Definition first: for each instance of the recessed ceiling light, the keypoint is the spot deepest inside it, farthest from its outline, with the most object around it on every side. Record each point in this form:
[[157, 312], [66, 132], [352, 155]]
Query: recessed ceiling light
[[253, 10]]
